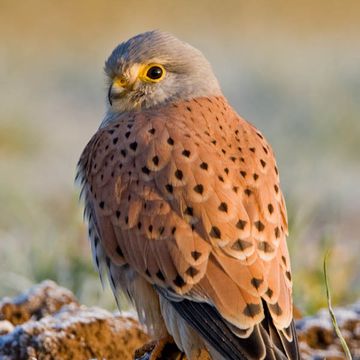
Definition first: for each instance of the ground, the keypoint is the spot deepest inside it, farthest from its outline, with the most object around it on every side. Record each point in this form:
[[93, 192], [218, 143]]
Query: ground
[[47, 322]]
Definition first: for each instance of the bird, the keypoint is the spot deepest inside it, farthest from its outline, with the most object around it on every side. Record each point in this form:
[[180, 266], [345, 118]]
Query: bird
[[184, 209]]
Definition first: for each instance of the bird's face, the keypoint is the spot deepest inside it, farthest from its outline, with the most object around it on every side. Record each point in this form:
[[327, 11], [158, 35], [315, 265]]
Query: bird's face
[[154, 68], [138, 85]]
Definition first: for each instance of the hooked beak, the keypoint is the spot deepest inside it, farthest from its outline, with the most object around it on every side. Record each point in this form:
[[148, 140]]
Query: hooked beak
[[118, 88]]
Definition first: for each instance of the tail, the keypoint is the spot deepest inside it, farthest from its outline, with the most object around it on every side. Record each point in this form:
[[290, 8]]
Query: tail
[[264, 342]]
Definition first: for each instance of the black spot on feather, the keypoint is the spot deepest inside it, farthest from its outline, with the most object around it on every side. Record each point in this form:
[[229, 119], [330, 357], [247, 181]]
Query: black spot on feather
[[179, 281], [160, 275], [251, 310]]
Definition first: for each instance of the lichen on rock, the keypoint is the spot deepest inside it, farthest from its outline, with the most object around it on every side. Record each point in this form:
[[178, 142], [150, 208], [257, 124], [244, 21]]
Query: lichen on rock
[[318, 340], [40, 300], [70, 331]]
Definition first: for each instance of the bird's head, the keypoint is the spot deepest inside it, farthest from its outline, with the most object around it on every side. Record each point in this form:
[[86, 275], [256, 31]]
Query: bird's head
[[154, 68]]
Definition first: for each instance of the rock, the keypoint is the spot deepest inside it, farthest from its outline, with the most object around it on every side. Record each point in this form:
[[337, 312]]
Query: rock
[[41, 300], [318, 339], [67, 331], [6, 327]]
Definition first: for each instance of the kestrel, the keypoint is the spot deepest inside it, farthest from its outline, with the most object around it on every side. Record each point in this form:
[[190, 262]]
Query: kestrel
[[184, 207]]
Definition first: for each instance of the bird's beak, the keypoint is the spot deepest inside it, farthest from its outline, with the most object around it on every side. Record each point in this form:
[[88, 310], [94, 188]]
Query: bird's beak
[[118, 88]]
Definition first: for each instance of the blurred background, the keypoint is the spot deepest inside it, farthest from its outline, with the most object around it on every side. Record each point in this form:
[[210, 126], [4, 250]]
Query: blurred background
[[292, 68]]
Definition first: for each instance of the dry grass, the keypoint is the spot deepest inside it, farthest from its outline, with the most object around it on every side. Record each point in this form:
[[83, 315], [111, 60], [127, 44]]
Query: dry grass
[[331, 311]]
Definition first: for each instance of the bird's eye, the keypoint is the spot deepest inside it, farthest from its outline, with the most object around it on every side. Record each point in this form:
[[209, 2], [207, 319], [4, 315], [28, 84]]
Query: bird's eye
[[153, 73]]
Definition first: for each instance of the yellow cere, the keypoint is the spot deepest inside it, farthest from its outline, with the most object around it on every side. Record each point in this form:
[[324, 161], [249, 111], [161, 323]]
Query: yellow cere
[[120, 82]]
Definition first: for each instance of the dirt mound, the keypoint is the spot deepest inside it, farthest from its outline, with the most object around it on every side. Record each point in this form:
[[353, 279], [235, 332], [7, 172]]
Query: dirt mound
[[52, 325], [317, 337]]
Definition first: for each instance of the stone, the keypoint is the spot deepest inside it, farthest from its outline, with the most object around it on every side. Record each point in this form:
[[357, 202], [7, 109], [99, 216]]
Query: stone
[[60, 328]]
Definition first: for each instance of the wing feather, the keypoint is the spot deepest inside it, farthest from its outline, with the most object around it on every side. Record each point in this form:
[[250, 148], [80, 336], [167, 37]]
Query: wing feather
[[188, 196]]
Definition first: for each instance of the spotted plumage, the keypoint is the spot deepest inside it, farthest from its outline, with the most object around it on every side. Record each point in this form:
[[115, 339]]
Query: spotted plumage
[[184, 206]]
